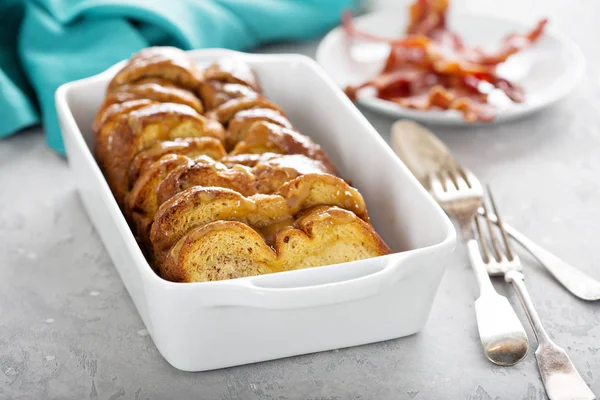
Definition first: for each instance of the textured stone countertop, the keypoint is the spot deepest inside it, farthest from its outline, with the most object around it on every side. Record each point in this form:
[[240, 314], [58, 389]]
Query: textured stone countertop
[[68, 329]]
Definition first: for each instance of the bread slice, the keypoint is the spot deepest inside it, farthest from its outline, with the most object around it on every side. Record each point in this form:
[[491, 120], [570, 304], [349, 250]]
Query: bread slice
[[216, 251], [298, 162], [228, 249], [168, 63], [140, 203], [232, 70], [155, 89], [321, 189], [265, 137], [207, 172], [214, 93], [173, 173], [144, 127], [104, 121], [327, 235], [240, 124], [226, 111], [197, 206], [191, 147], [265, 177]]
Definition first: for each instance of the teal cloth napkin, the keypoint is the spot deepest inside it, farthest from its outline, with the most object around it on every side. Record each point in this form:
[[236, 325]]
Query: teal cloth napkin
[[45, 43]]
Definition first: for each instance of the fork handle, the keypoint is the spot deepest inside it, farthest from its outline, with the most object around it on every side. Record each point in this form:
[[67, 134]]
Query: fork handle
[[575, 281], [481, 275], [553, 362]]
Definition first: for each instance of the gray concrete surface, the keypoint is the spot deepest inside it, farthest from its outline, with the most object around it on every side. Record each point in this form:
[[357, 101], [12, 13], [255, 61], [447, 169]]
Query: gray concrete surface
[[68, 329]]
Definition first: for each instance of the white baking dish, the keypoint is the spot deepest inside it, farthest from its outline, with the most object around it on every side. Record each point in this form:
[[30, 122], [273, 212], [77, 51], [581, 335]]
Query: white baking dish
[[203, 326]]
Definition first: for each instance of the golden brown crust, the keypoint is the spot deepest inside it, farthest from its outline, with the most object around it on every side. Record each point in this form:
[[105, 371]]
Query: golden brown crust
[[173, 173], [191, 147], [296, 161], [325, 236], [266, 177], [199, 205], [321, 189], [104, 125], [265, 137], [228, 249], [168, 63], [140, 202], [155, 89], [232, 70], [226, 111], [206, 172], [145, 126], [215, 93], [105, 117], [240, 124]]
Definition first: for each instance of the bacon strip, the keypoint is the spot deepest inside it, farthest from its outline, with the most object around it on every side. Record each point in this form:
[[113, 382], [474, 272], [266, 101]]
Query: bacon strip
[[511, 44], [432, 68], [352, 31]]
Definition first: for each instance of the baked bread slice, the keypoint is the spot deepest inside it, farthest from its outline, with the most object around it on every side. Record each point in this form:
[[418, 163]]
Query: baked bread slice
[[219, 250], [143, 127], [240, 124], [207, 172], [214, 93], [173, 173], [140, 203], [232, 70], [155, 89], [200, 205], [265, 137], [168, 63], [320, 236], [104, 122], [266, 177], [226, 111], [191, 147]]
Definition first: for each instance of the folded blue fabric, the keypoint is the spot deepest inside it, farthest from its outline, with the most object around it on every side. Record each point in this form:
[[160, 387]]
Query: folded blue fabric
[[45, 43]]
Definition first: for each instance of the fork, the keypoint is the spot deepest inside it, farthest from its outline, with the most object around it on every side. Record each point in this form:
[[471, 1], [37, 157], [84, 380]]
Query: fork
[[502, 335], [561, 379]]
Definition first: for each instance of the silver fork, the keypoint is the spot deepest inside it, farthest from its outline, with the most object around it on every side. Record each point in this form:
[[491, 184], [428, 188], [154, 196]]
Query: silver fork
[[502, 335], [561, 379]]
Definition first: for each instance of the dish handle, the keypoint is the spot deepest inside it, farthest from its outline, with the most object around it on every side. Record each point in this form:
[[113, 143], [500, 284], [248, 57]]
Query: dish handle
[[322, 286]]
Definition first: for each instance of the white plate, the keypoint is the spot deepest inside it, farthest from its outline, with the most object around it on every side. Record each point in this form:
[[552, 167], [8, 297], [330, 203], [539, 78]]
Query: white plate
[[207, 325], [548, 70]]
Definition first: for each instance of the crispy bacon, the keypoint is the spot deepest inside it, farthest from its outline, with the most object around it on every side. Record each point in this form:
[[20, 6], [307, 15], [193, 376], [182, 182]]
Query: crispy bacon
[[511, 44], [352, 31], [427, 17], [432, 68]]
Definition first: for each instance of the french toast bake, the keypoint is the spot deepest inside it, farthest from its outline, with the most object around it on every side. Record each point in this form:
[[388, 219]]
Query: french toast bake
[[214, 180]]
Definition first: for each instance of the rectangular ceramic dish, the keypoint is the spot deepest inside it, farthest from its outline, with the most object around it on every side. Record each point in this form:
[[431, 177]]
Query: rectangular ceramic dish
[[208, 325]]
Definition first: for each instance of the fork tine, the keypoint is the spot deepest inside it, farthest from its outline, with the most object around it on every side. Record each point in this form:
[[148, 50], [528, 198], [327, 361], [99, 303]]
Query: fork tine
[[495, 245], [500, 226], [435, 184], [462, 173], [472, 179], [448, 180], [460, 179], [482, 242]]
